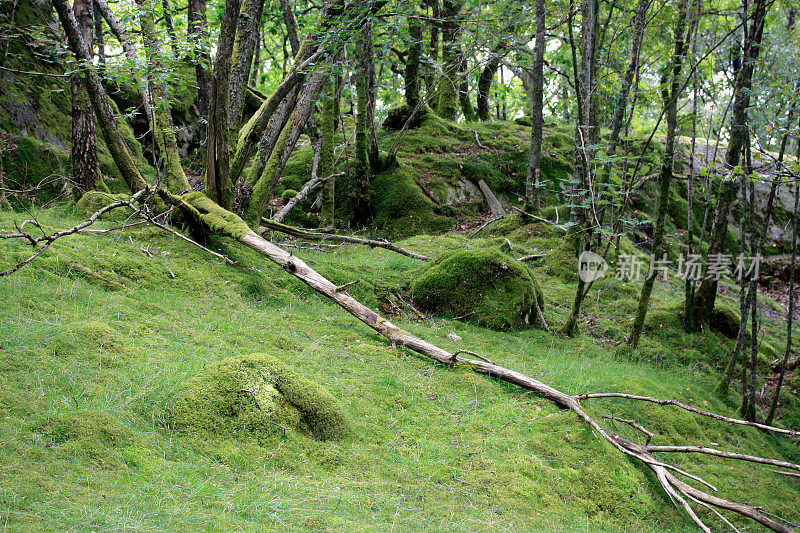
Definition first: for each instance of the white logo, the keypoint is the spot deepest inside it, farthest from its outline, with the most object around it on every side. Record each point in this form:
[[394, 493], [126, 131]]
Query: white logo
[[591, 267]]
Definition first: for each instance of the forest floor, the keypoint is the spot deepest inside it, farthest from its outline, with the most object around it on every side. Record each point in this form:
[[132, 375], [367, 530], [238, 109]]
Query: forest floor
[[89, 378]]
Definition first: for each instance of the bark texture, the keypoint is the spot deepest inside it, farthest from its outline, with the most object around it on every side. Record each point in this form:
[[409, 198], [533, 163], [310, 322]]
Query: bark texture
[[84, 139]]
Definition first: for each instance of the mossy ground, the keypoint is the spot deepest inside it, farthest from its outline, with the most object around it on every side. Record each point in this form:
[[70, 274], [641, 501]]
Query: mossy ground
[[88, 445]]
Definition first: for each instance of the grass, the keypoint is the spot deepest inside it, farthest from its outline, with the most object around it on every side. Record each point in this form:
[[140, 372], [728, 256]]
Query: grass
[[432, 448]]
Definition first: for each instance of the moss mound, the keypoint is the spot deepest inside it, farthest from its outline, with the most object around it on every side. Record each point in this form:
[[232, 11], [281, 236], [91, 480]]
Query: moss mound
[[257, 395], [93, 201], [500, 291], [92, 434], [397, 117]]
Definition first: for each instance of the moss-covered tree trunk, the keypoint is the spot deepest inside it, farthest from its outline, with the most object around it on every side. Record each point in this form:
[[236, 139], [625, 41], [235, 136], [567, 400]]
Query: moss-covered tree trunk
[[327, 142], [532, 181], [707, 292], [218, 186], [463, 89], [244, 46], [264, 188], [359, 197], [411, 75], [485, 85], [162, 124], [84, 139], [671, 96], [448, 88], [433, 54]]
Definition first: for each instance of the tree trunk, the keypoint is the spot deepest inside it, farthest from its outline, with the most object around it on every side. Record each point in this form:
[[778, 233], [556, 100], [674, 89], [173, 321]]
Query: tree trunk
[[485, 85], [433, 55], [448, 88], [627, 81], [264, 188], [161, 120], [790, 311], [290, 22], [255, 73], [198, 36], [411, 75], [84, 140], [99, 39], [218, 184], [707, 292], [672, 94], [173, 36], [131, 53], [583, 84], [244, 46], [463, 89], [100, 102], [359, 195], [532, 196], [327, 142]]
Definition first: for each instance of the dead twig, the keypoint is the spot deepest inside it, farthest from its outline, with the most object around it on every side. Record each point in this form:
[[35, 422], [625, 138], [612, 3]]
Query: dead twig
[[319, 236], [346, 285], [485, 224]]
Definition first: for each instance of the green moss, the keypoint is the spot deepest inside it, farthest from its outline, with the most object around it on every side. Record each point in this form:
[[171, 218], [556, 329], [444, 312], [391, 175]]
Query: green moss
[[288, 194], [255, 396], [216, 218], [397, 117], [500, 291], [93, 201], [31, 163], [94, 435], [402, 209]]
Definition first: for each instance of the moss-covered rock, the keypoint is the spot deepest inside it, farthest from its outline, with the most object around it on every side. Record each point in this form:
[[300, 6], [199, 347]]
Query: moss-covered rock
[[397, 117], [93, 201], [256, 395], [500, 291], [402, 209]]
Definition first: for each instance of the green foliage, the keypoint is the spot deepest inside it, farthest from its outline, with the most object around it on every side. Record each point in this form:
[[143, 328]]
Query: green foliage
[[500, 291], [257, 395]]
